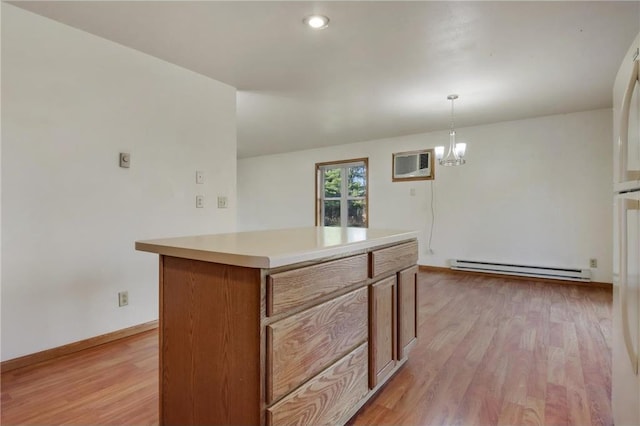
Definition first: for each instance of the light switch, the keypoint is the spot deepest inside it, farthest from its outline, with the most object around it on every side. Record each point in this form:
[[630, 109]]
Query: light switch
[[199, 176], [199, 201], [222, 202], [125, 160]]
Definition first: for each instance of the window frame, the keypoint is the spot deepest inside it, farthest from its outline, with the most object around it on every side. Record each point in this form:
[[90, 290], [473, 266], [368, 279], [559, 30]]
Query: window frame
[[344, 193]]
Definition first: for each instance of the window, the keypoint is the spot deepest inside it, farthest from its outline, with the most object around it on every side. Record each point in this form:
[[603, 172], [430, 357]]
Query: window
[[342, 193]]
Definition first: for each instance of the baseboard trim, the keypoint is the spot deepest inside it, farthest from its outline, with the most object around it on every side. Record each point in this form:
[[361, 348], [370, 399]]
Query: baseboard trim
[[445, 270], [70, 348]]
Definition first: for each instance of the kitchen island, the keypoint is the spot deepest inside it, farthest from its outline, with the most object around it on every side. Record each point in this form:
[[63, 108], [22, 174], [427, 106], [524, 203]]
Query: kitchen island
[[293, 326]]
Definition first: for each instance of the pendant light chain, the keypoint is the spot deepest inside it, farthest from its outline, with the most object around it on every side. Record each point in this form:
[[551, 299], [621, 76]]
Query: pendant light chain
[[452, 99]]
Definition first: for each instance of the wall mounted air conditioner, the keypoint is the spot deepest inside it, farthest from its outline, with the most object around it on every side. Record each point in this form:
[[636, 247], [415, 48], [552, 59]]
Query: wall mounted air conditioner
[[413, 165]]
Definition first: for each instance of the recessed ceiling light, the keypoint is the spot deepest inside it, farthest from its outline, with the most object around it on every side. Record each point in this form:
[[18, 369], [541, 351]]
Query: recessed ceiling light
[[317, 22]]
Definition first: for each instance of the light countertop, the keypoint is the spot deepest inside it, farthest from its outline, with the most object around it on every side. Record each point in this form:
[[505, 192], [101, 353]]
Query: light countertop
[[274, 248]]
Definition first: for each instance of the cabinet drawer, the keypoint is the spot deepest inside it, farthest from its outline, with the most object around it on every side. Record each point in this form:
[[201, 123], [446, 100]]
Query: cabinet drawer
[[393, 258], [302, 345], [287, 290], [325, 399]]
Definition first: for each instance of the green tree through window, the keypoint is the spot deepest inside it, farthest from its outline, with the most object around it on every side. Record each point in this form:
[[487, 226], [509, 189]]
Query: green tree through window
[[342, 189]]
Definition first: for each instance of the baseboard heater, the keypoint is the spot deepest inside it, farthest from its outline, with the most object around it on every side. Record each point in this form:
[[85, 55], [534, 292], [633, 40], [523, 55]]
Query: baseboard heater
[[572, 274]]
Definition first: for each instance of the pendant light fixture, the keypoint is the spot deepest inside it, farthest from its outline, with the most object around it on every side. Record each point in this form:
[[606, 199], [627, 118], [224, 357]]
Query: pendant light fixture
[[455, 155]]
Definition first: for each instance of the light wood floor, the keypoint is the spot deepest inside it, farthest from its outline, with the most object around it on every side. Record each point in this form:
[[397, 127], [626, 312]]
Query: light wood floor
[[491, 351]]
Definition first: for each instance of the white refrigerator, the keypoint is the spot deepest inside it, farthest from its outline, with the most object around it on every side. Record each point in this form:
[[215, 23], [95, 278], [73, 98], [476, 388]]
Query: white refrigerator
[[625, 391]]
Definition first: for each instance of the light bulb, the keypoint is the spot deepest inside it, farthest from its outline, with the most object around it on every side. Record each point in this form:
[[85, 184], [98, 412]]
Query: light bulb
[[461, 148], [439, 152], [317, 22]]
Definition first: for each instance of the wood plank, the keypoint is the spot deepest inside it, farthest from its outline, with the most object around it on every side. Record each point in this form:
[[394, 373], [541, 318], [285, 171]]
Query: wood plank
[[511, 414], [578, 406], [533, 413], [290, 289], [336, 326], [555, 408], [455, 378], [198, 367], [556, 366], [326, 398], [373, 412], [595, 359]]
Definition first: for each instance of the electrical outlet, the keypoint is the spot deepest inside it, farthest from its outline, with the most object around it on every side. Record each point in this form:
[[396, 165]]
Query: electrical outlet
[[593, 263], [123, 298], [199, 201]]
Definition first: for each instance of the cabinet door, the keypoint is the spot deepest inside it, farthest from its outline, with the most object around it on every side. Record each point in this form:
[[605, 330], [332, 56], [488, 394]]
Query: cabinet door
[[407, 310], [382, 336]]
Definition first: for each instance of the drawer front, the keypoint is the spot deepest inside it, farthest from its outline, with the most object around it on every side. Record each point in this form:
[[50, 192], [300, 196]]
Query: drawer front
[[287, 290], [393, 258], [302, 345], [328, 397]]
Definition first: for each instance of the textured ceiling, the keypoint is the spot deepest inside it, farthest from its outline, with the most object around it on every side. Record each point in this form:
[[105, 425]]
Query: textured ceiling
[[380, 69]]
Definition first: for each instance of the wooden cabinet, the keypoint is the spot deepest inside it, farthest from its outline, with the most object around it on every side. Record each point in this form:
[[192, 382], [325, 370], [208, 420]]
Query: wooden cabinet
[[303, 344], [393, 324], [407, 310], [382, 332]]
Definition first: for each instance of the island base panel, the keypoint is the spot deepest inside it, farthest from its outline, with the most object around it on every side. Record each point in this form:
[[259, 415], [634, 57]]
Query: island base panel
[[210, 316]]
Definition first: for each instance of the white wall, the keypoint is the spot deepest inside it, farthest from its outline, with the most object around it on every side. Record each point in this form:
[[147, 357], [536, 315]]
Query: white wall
[[534, 191], [70, 103]]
